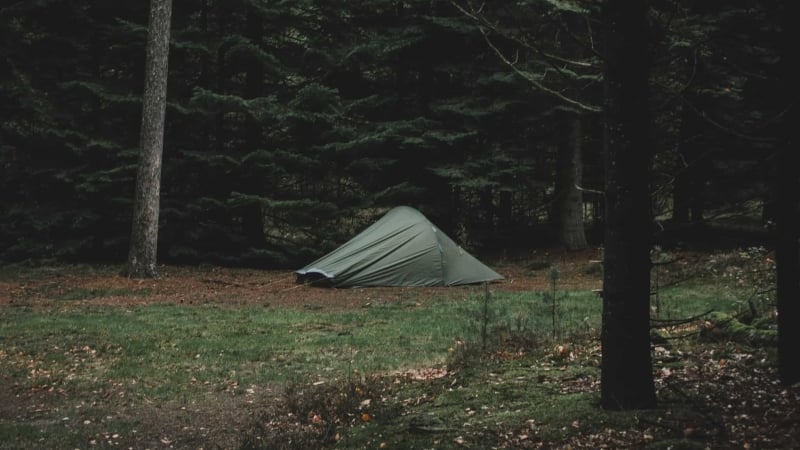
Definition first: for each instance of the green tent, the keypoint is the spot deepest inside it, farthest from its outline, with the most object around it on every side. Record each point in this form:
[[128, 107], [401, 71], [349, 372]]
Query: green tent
[[403, 248]]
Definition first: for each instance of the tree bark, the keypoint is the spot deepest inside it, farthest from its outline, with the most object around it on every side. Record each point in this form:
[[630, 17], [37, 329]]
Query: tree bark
[[788, 266], [626, 367], [788, 197], [252, 214], [144, 235], [569, 198]]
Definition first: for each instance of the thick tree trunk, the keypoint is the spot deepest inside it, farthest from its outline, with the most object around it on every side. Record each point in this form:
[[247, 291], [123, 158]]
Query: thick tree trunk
[[626, 368], [569, 198], [787, 214], [144, 235]]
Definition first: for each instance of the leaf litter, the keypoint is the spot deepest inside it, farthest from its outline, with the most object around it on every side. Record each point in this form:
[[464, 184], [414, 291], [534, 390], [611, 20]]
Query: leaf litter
[[716, 395]]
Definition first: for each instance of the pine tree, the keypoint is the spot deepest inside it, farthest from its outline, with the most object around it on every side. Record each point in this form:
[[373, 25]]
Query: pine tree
[[142, 255], [550, 46], [68, 166]]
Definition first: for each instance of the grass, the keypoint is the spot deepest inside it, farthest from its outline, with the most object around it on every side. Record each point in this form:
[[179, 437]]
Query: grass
[[187, 376], [166, 344], [478, 412]]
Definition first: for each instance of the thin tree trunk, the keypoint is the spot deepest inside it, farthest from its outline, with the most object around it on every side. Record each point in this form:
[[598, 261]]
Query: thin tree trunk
[[252, 213], [569, 198], [692, 158], [626, 377], [144, 235], [687, 186], [505, 213]]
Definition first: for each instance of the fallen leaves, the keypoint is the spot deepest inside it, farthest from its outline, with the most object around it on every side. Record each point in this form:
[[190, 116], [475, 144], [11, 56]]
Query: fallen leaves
[[196, 286], [729, 397], [423, 374]]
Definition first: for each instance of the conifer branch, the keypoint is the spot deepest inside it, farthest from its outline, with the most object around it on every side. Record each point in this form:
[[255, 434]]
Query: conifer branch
[[485, 26], [531, 79]]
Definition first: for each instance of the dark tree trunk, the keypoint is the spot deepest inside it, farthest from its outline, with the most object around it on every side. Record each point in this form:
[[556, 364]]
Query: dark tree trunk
[[786, 211], [252, 214], [205, 78], [693, 148], [626, 368], [569, 198], [504, 212], [687, 198], [788, 268], [144, 235], [487, 207], [222, 49]]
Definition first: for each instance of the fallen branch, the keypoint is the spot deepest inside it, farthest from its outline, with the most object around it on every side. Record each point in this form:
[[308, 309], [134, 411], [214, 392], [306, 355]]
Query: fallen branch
[[722, 326], [660, 323]]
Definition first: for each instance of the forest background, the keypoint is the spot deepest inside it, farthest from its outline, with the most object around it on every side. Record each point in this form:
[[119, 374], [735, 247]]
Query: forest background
[[293, 124]]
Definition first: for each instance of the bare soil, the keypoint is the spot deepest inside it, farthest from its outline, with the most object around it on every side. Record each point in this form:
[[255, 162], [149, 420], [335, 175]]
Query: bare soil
[[205, 284]]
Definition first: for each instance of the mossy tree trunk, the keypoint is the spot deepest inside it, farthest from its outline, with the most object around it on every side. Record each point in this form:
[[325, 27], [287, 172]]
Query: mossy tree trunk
[[144, 235]]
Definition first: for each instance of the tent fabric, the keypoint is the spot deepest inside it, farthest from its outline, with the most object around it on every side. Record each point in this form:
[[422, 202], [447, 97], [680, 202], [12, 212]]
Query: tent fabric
[[403, 248]]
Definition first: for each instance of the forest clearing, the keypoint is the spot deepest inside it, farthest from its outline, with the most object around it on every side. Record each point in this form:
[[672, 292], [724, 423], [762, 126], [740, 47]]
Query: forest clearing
[[165, 167], [208, 357]]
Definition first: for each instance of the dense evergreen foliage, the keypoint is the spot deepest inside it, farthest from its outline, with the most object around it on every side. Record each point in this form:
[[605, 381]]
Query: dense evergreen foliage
[[291, 124]]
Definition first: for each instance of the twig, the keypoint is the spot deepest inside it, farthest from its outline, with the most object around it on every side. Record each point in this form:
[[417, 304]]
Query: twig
[[528, 77], [591, 191], [484, 25], [672, 322], [222, 282], [667, 262], [682, 336]]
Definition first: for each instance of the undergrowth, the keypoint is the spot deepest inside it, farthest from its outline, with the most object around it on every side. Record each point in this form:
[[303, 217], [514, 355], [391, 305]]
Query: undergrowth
[[492, 369]]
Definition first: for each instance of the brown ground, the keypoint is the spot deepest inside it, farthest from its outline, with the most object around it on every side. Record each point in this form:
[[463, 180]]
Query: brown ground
[[179, 426], [733, 397], [197, 285]]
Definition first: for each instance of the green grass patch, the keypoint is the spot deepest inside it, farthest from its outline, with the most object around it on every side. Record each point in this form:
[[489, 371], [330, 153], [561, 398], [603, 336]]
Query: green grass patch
[[691, 299], [77, 376], [519, 402]]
